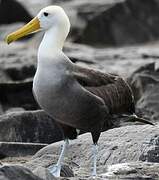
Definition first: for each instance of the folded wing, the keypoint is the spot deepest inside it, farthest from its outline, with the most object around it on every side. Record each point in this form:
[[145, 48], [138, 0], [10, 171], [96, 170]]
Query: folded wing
[[113, 89]]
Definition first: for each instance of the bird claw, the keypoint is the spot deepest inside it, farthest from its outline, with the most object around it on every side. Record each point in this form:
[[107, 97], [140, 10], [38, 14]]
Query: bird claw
[[55, 170]]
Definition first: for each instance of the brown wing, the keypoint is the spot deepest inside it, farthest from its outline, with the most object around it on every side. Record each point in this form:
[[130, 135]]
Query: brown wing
[[89, 77], [115, 92]]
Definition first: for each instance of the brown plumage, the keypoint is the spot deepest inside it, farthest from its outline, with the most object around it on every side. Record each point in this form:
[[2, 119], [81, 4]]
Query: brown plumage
[[115, 93], [113, 89]]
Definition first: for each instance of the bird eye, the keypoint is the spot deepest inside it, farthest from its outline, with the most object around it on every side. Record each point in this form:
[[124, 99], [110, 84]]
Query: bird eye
[[46, 14]]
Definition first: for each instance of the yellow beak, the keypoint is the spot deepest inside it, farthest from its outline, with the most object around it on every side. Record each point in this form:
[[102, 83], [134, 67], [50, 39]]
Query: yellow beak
[[32, 26]]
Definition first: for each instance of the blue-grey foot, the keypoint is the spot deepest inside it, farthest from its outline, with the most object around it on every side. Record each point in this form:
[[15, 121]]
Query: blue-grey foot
[[55, 170], [95, 152]]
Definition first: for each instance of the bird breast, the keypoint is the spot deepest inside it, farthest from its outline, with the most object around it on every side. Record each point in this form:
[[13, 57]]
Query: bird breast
[[48, 85], [52, 91]]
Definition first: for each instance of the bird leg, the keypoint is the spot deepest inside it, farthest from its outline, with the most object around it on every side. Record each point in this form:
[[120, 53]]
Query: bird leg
[[95, 152], [56, 169]]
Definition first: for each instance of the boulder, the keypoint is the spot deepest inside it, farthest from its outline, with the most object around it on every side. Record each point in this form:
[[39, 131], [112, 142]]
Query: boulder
[[43, 173], [19, 149], [120, 145], [144, 82], [123, 61], [10, 172], [18, 61], [137, 170], [44, 162], [12, 11], [47, 160], [16, 72], [129, 152], [113, 23], [17, 94], [29, 126]]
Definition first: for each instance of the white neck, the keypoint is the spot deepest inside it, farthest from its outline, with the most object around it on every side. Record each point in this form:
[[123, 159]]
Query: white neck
[[52, 42]]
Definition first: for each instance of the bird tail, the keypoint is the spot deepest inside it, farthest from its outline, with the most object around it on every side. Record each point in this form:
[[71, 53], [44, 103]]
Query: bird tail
[[134, 118]]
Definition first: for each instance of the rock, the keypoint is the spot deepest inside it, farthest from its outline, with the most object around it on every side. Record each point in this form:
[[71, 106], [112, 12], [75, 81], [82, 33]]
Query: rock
[[140, 79], [150, 151], [144, 82], [109, 19], [19, 91], [18, 62], [35, 164], [120, 145], [138, 170], [29, 126], [43, 173], [80, 13], [16, 172], [17, 149], [16, 72], [135, 170], [123, 61], [12, 11], [113, 30]]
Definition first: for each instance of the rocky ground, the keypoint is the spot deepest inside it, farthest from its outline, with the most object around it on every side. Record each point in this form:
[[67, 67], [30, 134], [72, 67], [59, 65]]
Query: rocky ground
[[100, 32]]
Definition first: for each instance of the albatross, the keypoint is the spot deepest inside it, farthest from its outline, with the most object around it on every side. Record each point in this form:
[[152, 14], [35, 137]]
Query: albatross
[[77, 98]]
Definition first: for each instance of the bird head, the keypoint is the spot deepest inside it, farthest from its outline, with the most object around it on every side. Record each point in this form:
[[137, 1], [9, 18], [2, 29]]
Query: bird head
[[48, 18]]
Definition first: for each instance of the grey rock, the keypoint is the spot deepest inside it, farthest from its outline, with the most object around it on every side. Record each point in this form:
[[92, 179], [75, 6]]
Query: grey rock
[[108, 18], [18, 62], [120, 145], [145, 82], [137, 170], [111, 22], [16, 172], [46, 161], [43, 173], [141, 78], [17, 94], [151, 151], [29, 126], [134, 170], [17, 149], [17, 67], [12, 11], [114, 22], [123, 61]]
